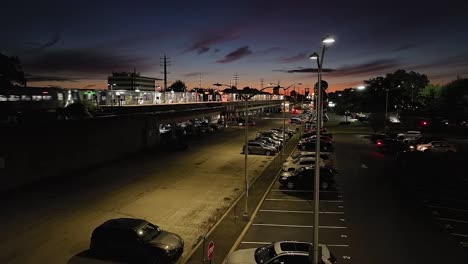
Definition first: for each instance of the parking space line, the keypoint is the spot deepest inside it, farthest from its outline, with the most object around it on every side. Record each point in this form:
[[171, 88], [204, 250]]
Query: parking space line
[[305, 191], [448, 208], [297, 200], [301, 226], [453, 220], [460, 235], [267, 243], [301, 212]]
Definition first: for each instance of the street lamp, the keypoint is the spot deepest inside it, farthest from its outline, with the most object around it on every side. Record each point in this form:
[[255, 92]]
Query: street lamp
[[111, 86], [314, 56], [361, 87], [246, 96], [284, 112]]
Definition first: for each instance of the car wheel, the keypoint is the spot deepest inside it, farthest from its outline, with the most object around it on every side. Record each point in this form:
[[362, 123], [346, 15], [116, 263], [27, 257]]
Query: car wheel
[[290, 185], [324, 185], [268, 153]]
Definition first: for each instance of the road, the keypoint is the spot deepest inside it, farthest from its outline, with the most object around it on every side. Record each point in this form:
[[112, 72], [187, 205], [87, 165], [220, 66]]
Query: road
[[183, 192]]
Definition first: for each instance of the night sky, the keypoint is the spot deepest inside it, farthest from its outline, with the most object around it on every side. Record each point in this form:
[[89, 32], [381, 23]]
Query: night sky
[[79, 43]]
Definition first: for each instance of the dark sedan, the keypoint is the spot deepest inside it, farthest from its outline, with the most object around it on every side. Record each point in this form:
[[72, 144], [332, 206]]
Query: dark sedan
[[136, 241], [304, 179], [310, 146]]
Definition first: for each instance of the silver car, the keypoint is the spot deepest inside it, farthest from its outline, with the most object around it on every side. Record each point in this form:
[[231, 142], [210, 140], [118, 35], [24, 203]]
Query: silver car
[[259, 148], [286, 252]]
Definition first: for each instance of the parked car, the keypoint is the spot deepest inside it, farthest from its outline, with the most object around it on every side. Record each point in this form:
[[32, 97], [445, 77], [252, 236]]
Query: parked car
[[277, 143], [286, 252], [135, 240], [266, 143], [409, 136], [304, 179], [310, 146], [437, 146], [295, 120], [297, 164], [325, 156], [241, 122], [259, 148], [270, 134], [423, 140]]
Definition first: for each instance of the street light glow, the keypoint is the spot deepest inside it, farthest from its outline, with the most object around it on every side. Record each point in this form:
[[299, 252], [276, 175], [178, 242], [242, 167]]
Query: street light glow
[[314, 56], [328, 40], [361, 87]]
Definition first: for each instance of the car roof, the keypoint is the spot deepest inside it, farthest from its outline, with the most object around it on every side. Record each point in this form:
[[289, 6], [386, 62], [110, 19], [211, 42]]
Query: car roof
[[299, 247], [125, 223]]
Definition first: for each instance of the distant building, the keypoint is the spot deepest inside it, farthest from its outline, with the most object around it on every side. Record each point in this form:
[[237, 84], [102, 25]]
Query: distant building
[[131, 81]]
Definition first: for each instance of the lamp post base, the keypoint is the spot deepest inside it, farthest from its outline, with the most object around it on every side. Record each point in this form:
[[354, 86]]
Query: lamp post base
[[245, 216]]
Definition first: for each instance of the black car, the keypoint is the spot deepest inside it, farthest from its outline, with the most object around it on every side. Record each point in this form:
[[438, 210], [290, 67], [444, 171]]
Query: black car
[[373, 138], [391, 145], [310, 146], [135, 240], [303, 179]]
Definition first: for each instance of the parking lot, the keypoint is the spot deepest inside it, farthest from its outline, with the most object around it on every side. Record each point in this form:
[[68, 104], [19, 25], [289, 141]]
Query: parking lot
[[289, 215]]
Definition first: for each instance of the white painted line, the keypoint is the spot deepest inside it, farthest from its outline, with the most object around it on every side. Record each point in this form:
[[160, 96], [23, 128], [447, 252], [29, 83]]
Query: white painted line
[[453, 220], [306, 191], [448, 208], [297, 200], [328, 245], [300, 212], [301, 226], [260, 243], [461, 235]]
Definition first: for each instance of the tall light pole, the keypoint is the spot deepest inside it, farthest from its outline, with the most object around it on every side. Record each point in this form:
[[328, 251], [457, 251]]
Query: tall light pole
[[386, 109], [325, 41], [284, 112], [246, 96]]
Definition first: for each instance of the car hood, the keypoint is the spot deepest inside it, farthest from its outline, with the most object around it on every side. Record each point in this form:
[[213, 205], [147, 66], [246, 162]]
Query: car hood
[[167, 240], [243, 256]]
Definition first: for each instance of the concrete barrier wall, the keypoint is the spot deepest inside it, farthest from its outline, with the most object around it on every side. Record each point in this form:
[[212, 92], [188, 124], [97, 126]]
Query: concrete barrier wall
[[29, 153]]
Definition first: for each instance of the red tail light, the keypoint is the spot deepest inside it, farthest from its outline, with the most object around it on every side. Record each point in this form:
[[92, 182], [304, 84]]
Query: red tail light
[[379, 143]]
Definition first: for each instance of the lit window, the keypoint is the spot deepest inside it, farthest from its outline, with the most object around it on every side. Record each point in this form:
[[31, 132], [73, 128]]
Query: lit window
[[14, 98], [3, 98], [25, 97], [37, 97], [60, 96]]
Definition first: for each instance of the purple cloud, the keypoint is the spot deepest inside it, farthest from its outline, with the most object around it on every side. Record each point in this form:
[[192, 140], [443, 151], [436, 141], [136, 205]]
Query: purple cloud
[[236, 55], [298, 57], [202, 44]]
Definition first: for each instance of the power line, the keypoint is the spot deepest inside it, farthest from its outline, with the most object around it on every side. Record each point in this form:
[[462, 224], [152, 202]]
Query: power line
[[236, 78]]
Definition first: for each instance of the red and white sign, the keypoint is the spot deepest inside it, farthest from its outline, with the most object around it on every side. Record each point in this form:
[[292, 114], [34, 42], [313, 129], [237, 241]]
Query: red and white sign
[[210, 250]]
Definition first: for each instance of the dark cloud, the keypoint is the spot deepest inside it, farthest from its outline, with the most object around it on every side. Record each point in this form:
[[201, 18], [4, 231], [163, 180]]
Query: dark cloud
[[206, 41], [358, 69], [90, 63], [269, 50], [38, 47], [236, 55], [305, 70], [406, 47], [298, 57], [367, 68], [216, 50], [43, 78], [194, 74], [203, 50]]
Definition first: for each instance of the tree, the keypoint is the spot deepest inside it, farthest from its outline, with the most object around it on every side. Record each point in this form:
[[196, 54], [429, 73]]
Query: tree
[[431, 99], [11, 72], [455, 100], [178, 86]]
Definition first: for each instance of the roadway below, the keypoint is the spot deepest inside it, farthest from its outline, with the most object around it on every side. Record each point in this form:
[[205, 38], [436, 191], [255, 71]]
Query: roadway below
[[183, 192]]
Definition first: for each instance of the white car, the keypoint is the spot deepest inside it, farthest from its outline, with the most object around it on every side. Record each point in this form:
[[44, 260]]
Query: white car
[[286, 252], [436, 146], [297, 164], [325, 156], [409, 136]]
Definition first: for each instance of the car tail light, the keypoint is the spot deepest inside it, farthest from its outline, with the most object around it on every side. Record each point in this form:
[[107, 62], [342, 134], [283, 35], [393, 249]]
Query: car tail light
[[379, 143]]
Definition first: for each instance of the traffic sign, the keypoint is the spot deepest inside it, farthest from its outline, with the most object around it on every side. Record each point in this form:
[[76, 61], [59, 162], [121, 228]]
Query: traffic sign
[[210, 252]]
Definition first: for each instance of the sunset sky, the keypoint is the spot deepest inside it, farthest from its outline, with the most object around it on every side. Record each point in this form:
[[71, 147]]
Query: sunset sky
[[79, 43]]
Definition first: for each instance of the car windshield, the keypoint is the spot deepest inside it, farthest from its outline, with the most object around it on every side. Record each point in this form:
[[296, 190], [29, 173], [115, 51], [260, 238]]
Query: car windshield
[[148, 232], [264, 254]]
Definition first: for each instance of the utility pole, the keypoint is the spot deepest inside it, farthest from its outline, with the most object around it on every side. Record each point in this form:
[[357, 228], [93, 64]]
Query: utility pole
[[236, 78], [164, 62], [199, 80], [261, 83]]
